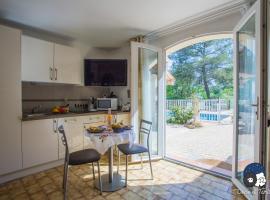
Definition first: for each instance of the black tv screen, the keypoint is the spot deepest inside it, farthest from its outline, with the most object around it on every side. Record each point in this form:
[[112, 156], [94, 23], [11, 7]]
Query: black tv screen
[[105, 72]]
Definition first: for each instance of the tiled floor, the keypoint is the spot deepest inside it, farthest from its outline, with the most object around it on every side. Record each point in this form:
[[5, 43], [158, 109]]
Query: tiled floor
[[171, 181]]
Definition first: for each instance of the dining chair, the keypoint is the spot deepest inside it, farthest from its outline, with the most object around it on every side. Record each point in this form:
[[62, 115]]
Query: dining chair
[[130, 149], [78, 158]]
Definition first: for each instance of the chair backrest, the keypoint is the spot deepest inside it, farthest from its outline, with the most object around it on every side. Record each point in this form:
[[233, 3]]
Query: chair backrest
[[61, 130], [145, 128]]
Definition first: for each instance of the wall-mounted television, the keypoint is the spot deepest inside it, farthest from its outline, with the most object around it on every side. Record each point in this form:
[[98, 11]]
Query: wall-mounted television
[[105, 72]]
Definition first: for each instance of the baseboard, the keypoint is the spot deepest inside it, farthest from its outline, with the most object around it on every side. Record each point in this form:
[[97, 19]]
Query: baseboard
[[29, 171]]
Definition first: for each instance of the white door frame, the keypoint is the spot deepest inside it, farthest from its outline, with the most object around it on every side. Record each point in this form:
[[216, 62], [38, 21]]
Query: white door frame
[[254, 10], [135, 46]]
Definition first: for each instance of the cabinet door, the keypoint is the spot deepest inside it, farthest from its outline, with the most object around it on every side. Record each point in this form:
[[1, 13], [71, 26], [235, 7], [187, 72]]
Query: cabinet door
[[93, 120], [96, 119], [39, 142], [61, 147], [125, 118], [10, 106], [74, 131], [67, 63], [37, 60]]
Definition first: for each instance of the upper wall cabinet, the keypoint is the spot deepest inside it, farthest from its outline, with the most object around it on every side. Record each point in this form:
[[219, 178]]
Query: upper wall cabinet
[[44, 61], [37, 60], [67, 64]]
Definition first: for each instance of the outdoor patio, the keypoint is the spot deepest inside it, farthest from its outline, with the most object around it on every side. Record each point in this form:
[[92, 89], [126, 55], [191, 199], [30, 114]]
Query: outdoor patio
[[209, 146]]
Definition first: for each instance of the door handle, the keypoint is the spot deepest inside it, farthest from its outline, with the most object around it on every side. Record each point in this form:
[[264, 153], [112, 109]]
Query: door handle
[[54, 126], [257, 106], [51, 73], [55, 69]]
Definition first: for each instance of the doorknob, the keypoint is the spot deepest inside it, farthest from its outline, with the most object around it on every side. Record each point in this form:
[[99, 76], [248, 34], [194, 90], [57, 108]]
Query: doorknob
[[257, 106]]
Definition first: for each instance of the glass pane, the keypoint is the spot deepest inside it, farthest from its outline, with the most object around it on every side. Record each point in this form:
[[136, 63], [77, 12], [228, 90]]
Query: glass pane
[[246, 96], [148, 94]]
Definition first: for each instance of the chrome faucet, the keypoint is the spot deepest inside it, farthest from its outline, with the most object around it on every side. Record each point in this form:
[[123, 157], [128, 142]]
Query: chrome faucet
[[36, 108]]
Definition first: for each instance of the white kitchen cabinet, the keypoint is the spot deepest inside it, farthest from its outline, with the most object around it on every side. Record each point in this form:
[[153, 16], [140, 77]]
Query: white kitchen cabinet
[[39, 142], [37, 60], [74, 132], [95, 119], [92, 120], [10, 103], [123, 117], [67, 64], [48, 62]]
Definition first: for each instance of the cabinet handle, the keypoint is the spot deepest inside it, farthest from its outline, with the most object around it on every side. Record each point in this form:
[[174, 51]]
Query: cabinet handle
[[54, 126], [55, 69], [51, 73]]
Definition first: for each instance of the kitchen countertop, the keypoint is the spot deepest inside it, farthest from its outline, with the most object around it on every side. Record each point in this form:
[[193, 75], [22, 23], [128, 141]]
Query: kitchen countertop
[[70, 114]]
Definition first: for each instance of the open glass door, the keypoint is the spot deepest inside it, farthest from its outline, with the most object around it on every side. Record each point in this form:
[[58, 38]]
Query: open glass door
[[248, 126], [147, 93]]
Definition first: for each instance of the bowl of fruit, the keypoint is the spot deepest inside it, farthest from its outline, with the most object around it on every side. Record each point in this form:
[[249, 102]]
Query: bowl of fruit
[[60, 109], [95, 129], [118, 127]]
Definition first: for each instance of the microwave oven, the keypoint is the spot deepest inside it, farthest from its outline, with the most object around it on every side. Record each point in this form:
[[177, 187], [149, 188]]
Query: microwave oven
[[106, 103]]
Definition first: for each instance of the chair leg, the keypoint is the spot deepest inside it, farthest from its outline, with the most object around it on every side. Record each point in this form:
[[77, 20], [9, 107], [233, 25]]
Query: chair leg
[[65, 174], [99, 178], [126, 170], [65, 181], [118, 165], [150, 165], [93, 169]]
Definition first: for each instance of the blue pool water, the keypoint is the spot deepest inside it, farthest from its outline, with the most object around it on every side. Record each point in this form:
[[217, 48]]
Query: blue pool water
[[206, 116]]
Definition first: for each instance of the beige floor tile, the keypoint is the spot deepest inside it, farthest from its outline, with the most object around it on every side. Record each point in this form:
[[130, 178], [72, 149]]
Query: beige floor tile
[[114, 196], [44, 181], [56, 196], [23, 196], [38, 196], [4, 197], [131, 195]]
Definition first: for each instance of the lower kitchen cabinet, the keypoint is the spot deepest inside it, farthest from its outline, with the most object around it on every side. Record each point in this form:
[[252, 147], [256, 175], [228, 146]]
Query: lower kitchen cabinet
[[39, 142], [93, 120], [74, 132], [124, 118]]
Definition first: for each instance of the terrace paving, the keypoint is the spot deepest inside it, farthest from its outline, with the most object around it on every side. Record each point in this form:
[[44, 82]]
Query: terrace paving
[[209, 146]]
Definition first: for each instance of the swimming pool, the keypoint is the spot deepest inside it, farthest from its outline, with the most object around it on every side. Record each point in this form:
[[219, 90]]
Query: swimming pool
[[206, 116]]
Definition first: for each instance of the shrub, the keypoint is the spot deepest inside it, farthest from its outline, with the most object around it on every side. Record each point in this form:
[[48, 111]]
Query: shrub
[[179, 115]]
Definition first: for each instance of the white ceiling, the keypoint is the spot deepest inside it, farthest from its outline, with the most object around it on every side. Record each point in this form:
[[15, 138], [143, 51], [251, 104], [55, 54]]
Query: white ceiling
[[102, 23]]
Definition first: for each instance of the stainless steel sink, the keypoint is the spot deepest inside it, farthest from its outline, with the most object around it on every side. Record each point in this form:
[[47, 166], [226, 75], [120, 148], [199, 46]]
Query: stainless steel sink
[[35, 115]]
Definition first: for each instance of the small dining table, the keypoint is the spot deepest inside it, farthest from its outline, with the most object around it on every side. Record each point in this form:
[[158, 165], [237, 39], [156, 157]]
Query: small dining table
[[103, 142]]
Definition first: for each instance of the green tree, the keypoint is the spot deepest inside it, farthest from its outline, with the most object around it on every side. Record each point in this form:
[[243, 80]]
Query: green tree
[[203, 70]]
